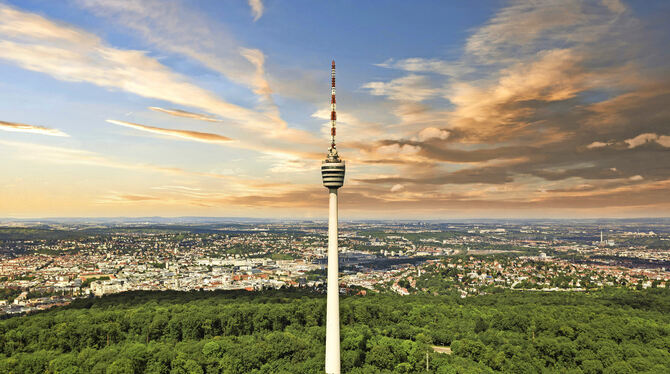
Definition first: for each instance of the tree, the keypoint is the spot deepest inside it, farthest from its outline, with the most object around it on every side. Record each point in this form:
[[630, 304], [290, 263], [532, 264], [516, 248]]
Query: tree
[[481, 325], [473, 349], [182, 365], [282, 331], [121, 366]]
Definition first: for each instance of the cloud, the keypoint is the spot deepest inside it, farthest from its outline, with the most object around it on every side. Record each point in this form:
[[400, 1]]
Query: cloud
[[257, 59], [256, 9], [433, 133], [365, 200], [422, 65], [131, 197], [552, 105], [63, 155], [501, 108], [261, 85], [396, 149], [408, 88], [519, 120], [616, 6], [642, 139], [523, 27], [351, 128], [20, 127], [397, 188], [634, 142], [178, 28], [28, 27], [69, 54], [292, 165], [597, 145], [74, 55], [429, 150], [183, 113], [465, 176], [179, 188], [182, 134]]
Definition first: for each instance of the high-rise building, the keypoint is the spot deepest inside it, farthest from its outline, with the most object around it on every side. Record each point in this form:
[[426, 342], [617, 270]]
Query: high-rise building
[[332, 172]]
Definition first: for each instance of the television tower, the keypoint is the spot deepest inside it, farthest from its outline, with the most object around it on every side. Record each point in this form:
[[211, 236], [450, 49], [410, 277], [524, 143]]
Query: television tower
[[332, 172]]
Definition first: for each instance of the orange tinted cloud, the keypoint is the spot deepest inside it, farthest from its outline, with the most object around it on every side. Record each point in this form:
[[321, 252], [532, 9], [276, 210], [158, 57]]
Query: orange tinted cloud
[[197, 136], [21, 127], [185, 114]]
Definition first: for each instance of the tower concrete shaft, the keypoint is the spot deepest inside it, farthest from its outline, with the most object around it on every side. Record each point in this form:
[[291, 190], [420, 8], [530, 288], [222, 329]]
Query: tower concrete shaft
[[332, 172], [333, 306]]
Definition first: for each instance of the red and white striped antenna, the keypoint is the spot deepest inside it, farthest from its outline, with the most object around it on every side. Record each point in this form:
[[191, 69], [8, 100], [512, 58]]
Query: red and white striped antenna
[[333, 115]]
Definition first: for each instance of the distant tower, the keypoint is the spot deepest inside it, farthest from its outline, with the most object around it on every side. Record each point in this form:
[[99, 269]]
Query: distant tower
[[332, 172], [601, 236]]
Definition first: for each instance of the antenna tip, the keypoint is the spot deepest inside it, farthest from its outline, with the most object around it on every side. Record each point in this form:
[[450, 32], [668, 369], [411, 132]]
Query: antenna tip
[[333, 63]]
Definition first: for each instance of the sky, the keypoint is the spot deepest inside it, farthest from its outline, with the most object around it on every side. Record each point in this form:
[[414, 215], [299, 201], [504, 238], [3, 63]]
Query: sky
[[487, 109]]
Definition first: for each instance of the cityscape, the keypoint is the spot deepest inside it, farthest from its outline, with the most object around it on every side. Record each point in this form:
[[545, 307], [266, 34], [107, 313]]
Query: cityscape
[[47, 264]]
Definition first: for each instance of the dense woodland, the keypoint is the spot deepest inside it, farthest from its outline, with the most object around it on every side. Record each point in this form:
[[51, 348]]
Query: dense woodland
[[611, 331]]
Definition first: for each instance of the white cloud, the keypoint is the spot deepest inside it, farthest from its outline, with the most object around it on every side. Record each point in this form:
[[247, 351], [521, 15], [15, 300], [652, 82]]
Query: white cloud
[[597, 145], [526, 26], [256, 9], [663, 140], [397, 149], [291, 166], [29, 27], [180, 29], [433, 133], [69, 54], [645, 138], [423, 65], [408, 88], [397, 188]]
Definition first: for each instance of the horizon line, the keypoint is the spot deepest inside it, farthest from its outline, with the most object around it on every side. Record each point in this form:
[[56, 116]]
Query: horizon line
[[55, 218]]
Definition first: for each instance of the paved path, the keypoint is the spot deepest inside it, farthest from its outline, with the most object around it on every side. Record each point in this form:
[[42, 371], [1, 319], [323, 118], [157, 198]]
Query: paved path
[[439, 349]]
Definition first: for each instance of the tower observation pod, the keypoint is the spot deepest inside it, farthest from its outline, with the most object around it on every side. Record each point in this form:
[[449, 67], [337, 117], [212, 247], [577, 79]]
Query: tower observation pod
[[332, 172]]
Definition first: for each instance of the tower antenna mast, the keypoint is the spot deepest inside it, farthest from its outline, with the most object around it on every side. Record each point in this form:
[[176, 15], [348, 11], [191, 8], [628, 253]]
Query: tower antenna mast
[[332, 151]]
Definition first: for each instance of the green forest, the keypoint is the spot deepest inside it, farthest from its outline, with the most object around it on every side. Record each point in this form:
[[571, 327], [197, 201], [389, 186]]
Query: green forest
[[610, 331]]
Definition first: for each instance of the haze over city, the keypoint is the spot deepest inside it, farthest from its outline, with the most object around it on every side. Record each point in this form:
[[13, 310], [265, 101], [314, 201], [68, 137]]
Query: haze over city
[[494, 109]]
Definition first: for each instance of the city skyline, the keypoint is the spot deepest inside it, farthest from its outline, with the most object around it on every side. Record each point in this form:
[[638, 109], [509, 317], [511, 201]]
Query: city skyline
[[499, 109]]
